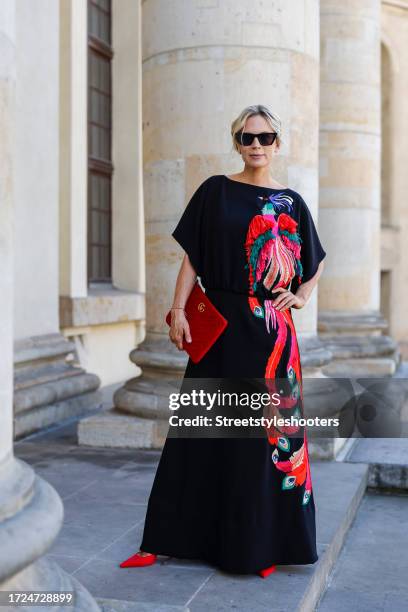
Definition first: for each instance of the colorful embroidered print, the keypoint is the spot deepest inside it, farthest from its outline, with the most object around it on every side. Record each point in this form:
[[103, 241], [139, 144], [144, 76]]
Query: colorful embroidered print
[[273, 245], [273, 248]]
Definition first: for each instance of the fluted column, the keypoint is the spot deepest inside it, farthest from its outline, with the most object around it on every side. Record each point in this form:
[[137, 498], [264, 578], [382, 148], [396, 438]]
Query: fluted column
[[350, 189], [31, 511]]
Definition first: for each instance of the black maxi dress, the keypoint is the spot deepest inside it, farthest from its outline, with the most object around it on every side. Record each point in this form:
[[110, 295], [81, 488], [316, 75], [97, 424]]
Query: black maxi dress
[[242, 504]]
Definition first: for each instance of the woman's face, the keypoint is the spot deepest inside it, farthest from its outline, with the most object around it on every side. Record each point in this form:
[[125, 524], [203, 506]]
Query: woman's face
[[256, 155]]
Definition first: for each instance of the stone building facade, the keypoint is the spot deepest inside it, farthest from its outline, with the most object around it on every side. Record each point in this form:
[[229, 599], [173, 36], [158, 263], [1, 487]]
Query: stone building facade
[[112, 112]]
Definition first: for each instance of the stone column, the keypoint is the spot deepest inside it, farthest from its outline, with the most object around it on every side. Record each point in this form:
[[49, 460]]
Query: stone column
[[394, 86], [350, 134], [48, 388], [31, 511], [199, 72]]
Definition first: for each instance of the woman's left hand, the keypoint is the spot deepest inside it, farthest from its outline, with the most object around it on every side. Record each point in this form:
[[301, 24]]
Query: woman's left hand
[[287, 299]]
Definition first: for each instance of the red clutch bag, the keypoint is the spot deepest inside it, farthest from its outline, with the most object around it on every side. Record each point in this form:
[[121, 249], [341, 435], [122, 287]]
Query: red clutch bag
[[205, 321]]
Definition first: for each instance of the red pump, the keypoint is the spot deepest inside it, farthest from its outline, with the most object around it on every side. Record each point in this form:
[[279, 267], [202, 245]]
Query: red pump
[[266, 572], [139, 560]]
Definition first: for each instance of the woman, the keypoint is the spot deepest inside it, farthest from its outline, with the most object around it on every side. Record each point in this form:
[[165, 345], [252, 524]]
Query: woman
[[243, 504]]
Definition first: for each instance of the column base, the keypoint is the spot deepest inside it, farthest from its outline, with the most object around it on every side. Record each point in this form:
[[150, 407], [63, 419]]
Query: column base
[[139, 418], [112, 429], [31, 514], [358, 344], [45, 575]]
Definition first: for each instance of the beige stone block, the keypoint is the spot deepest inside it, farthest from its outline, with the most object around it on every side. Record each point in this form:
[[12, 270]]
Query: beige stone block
[[360, 173], [352, 242], [266, 31], [164, 189], [357, 242], [344, 293], [266, 70], [391, 248], [161, 247], [403, 347], [347, 28], [228, 23], [200, 167], [105, 349], [164, 257], [304, 181], [323, 166], [351, 60], [101, 306], [114, 430], [180, 84], [350, 107], [365, 367], [347, 144], [361, 8], [305, 319], [344, 197]]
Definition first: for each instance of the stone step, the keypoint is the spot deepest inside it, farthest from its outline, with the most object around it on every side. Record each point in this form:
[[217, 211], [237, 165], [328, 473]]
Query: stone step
[[39, 374], [44, 348], [39, 417], [55, 391], [387, 461], [117, 605]]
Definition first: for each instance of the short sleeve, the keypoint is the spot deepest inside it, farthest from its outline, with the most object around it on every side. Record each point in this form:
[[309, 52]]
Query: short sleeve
[[190, 232], [311, 251]]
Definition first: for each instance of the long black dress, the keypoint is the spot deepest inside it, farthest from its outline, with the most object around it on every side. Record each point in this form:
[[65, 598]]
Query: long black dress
[[241, 504]]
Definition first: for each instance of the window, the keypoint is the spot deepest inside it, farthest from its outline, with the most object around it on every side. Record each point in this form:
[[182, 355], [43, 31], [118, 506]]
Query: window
[[99, 141]]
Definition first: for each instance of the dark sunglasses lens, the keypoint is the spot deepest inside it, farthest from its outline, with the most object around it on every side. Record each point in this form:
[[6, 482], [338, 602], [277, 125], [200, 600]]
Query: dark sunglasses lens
[[267, 138], [246, 138]]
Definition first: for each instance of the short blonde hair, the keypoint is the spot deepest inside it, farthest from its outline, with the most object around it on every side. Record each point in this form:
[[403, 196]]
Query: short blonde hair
[[256, 109]]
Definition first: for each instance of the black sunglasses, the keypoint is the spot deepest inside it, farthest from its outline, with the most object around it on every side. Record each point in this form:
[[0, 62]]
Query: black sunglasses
[[246, 138]]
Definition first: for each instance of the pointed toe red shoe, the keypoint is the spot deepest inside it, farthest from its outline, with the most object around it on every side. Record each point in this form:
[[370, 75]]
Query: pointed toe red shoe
[[139, 560], [266, 572]]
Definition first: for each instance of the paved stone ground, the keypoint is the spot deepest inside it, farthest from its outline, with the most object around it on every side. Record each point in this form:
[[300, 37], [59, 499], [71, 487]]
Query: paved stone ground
[[105, 494], [372, 570]]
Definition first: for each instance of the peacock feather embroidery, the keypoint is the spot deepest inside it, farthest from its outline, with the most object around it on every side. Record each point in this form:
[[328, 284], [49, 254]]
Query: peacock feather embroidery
[[273, 255]]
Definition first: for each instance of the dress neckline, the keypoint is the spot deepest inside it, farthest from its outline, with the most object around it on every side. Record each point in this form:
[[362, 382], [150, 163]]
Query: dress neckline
[[252, 185]]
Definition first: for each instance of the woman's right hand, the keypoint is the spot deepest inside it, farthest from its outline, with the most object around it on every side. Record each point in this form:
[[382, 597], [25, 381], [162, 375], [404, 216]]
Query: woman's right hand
[[179, 328]]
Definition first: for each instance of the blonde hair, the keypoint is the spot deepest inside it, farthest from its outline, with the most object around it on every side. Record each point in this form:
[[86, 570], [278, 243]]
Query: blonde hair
[[256, 109]]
